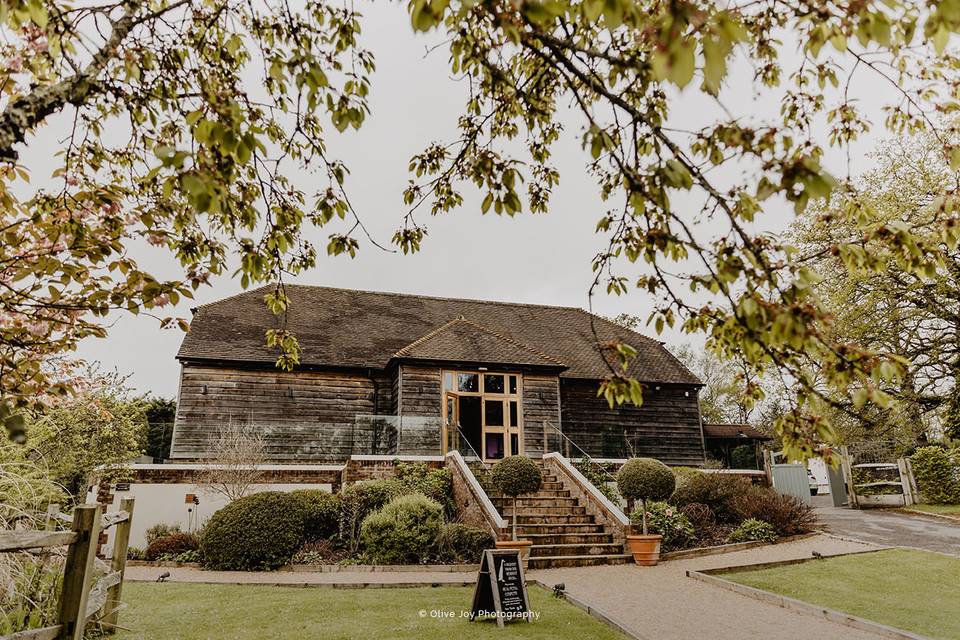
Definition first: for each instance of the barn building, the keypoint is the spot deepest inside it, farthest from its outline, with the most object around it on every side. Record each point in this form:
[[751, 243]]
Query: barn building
[[385, 373]]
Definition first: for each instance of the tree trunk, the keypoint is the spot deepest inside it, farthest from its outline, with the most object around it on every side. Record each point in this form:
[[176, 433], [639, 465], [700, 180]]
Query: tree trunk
[[514, 518], [643, 505]]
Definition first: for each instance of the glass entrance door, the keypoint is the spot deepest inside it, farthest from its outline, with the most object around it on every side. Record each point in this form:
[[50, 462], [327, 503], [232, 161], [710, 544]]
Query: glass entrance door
[[482, 414]]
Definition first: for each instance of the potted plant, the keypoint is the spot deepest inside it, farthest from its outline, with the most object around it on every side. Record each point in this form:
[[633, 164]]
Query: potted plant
[[645, 479], [516, 476]]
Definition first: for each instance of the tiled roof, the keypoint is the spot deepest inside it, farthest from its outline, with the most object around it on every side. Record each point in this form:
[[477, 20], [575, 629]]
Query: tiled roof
[[733, 431], [464, 341], [349, 328]]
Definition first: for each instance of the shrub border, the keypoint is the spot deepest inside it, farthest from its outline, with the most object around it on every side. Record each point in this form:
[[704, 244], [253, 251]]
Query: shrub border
[[712, 577]]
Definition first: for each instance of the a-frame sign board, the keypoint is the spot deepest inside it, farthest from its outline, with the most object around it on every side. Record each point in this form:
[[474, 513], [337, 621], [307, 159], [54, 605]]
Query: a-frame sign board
[[501, 589]]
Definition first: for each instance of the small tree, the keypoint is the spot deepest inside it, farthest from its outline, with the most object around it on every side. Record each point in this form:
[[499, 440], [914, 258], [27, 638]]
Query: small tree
[[516, 476], [645, 479], [238, 453]]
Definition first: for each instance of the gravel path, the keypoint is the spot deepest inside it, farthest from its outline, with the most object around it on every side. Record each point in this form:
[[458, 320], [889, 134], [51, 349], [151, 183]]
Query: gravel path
[[893, 528], [663, 603], [356, 579]]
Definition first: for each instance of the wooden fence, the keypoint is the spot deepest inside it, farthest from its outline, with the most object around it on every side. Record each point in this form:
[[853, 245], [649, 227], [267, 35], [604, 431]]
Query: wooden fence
[[79, 603]]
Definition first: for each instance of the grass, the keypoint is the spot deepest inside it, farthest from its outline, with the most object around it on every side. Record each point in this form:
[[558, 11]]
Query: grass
[[233, 612], [943, 509], [910, 590]]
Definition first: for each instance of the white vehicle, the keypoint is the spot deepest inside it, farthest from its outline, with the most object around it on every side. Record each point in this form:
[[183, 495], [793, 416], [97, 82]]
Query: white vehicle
[[814, 486]]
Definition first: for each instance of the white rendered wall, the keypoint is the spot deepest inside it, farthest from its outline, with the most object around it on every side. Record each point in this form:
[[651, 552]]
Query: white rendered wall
[[165, 504]]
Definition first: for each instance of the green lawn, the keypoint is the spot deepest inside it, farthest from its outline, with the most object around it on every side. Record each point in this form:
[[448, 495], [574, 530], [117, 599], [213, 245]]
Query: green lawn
[[945, 509], [233, 612], [911, 590]]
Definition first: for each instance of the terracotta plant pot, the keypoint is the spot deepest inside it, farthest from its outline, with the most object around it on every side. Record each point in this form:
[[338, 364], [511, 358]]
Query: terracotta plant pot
[[645, 549], [523, 546]]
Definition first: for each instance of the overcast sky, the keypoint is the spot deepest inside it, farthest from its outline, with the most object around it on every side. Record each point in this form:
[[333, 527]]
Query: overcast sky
[[541, 259]]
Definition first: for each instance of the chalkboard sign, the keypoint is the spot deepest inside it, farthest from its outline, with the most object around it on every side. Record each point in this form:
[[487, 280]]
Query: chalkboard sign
[[501, 590]]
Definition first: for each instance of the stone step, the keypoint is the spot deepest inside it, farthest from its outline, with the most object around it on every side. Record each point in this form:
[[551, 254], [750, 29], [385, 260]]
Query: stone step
[[551, 485], [559, 529], [554, 562], [554, 550], [543, 493], [567, 538], [536, 512], [549, 519], [525, 503]]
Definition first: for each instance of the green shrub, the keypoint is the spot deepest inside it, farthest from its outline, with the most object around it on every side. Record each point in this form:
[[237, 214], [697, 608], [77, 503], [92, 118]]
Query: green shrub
[[685, 474], [257, 532], [516, 476], [462, 543], [676, 529], [359, 500], [436, 484], [598, 475], [322, 510], [171, 544], [744, 457], [753, 530], [789, 515], [645, 479], [716, 490], [160, 530], [404, 531], [135, 553], [937, 472]]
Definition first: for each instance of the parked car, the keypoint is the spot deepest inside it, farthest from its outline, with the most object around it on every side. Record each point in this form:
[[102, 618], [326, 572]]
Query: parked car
[[814, 487]]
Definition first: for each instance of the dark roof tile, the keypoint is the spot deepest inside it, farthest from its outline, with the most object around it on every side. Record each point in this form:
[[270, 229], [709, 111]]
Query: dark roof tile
[[345, 327]]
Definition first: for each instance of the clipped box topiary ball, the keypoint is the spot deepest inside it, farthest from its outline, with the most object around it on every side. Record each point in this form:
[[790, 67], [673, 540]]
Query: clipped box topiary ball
[[516, 476], [645, 479]]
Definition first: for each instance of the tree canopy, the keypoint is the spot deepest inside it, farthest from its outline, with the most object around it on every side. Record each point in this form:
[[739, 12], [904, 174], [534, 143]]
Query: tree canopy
[[220, 101]]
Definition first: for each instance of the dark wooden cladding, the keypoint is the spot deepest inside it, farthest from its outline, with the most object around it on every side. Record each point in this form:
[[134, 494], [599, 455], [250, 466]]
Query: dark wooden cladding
[[666, 427], [420, 392], [327, 416], [305, 415], [541, 412]]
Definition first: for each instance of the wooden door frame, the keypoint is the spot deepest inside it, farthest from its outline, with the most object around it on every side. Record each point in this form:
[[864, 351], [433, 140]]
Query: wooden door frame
[[506, 398]]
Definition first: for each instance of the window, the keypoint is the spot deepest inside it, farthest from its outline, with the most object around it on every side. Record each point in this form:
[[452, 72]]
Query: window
[[494, 413], [468, 382], [492, 383], [514, 418], [494, 446], [513, 385]]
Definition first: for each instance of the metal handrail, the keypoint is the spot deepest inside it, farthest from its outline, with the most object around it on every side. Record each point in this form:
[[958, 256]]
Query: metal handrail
[[585, 456], [464, 438]]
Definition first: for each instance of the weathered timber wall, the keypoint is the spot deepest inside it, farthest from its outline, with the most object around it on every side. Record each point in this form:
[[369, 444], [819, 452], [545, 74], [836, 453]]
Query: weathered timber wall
[[541, 408], [305, 416], [420, 406], [666, 427]]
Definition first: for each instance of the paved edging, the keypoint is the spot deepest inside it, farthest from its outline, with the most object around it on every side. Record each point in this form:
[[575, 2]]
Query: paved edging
[[685, 554], [600, 615], [942, 516], [328, 568], [786, 602]]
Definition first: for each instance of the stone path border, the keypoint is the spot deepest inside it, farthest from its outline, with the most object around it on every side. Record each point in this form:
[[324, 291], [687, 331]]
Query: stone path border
[[833, 615], [711, 576], [603, 617], [942, 516]]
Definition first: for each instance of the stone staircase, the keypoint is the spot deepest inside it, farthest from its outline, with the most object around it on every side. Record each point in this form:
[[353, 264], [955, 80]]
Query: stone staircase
[[563, 533]]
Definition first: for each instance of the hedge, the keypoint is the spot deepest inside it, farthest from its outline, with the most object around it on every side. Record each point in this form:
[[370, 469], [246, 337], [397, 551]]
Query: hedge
[[257, 532], [403, 532], [937, 472]]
